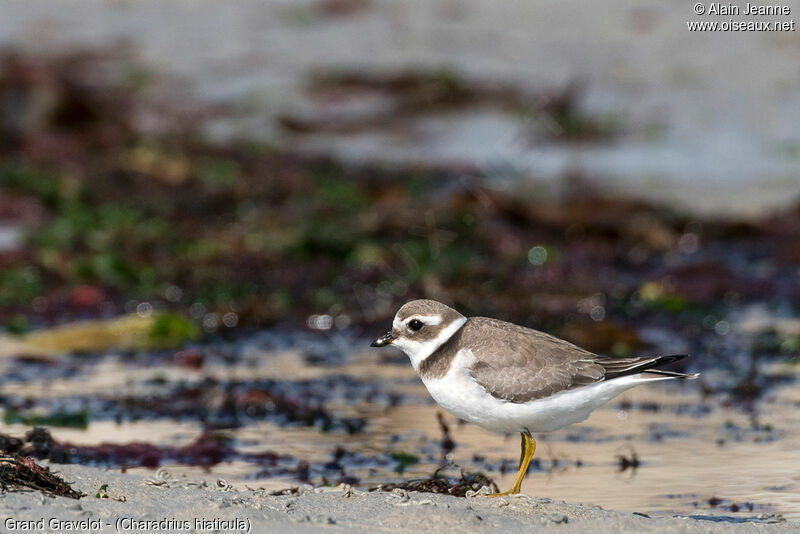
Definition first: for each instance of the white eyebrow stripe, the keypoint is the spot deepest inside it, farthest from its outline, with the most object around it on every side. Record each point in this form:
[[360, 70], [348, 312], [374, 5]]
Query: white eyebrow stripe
[[430, 320]]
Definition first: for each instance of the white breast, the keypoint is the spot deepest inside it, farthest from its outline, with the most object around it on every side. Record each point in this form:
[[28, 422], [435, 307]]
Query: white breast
[[458, 393]]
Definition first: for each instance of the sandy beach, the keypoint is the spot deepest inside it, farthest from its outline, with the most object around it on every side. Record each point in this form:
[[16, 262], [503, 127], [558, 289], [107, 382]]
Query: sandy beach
[[208, 210], [138, 504]]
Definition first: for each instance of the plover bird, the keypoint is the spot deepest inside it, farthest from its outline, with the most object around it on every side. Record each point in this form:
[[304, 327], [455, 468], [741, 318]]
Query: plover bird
[[507, 378]]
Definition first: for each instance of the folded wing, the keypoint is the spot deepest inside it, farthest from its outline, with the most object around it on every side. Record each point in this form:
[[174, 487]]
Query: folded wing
[[517, 364]]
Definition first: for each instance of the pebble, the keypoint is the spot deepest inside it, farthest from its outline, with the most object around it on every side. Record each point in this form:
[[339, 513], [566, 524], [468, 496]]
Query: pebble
[[553, 519], [771, 518], [401, 494]]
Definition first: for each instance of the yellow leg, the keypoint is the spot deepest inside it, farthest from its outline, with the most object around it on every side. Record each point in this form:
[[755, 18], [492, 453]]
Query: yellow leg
[[528, 447]]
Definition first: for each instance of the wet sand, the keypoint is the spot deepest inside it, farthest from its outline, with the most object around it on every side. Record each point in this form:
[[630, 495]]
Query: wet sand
[[661, 450]]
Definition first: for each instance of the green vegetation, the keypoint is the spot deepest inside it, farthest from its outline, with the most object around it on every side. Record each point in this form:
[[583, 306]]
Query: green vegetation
[[102, 492], [79, 419], [174, 223], [19, 285], [404, 460], [173, 330], [44, 185]]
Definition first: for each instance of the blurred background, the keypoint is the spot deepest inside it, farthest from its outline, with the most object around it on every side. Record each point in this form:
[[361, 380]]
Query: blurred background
[[208, 209]]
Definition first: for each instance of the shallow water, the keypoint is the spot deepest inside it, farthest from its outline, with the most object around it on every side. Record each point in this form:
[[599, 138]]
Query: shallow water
[[694, 455]]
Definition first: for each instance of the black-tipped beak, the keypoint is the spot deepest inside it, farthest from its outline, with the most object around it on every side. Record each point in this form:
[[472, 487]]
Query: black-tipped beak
[[385, 339]]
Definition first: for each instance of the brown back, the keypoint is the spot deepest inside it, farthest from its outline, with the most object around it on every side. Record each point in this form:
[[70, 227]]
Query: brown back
[[515, 363]]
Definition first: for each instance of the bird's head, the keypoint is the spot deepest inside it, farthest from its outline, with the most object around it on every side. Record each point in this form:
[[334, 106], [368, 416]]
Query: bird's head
[[420, 327]]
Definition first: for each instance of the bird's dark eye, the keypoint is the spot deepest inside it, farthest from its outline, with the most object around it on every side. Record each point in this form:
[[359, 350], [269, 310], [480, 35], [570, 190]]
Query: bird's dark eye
[[415, 325]]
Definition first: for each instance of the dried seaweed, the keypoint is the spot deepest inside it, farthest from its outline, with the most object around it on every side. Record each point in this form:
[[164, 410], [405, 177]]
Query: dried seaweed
[[437, 483], [447, 443], [186, 222], [21, 473], [207, 450]]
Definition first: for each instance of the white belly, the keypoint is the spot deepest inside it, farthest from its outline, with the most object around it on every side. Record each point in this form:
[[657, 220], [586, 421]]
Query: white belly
[[459, 394]]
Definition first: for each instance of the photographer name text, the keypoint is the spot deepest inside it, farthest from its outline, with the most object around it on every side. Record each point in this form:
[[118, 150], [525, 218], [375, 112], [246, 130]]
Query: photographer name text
[[717, 8]]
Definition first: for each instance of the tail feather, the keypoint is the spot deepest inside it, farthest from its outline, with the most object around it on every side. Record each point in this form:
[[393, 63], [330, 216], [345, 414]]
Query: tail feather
[[617, 367]]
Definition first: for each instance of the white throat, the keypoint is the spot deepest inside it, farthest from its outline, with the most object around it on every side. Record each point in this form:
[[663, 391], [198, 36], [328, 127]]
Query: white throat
[[417, 351]]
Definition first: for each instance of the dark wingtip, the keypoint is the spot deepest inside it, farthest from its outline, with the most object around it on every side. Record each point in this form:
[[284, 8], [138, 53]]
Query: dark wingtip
[[666, 360], [630, 366], [671, 358]]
